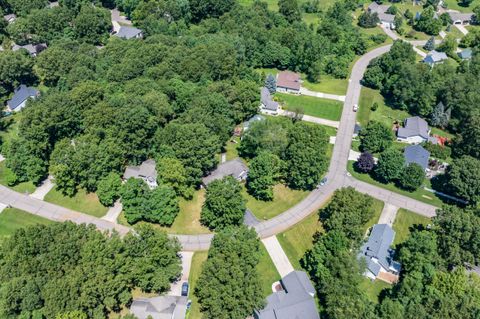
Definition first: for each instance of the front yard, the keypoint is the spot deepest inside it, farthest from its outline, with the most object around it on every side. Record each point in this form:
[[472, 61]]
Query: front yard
[[404, 220], [313, 106], [82, 202], [26, 187], [12, 219]]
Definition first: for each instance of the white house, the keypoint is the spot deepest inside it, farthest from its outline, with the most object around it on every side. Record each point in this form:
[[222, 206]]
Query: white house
[[10, 18], [379, 256], [288, 82], [386, 19], [414, 131], [33, 49], [146, 171], [267, 104], [20, 97]]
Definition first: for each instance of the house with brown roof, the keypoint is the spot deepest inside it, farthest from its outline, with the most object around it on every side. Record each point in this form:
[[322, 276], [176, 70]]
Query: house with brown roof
[[288, 82]]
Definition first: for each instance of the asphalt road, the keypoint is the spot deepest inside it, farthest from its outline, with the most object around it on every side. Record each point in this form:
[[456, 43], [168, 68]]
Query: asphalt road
[[337, 177]]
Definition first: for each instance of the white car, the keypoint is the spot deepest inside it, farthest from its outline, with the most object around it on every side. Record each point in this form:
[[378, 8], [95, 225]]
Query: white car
[[355, 107]]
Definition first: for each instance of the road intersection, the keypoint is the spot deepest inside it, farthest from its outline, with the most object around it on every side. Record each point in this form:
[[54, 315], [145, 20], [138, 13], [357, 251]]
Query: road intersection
[[337, 178]]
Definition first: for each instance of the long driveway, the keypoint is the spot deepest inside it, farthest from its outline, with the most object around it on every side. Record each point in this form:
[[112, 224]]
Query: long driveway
[[337, 177]]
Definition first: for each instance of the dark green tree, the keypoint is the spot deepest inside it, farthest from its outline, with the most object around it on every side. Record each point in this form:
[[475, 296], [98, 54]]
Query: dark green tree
[[171, 172], [375, 137], [290, 10], [15, 69], [23, 7], [368, 20], [390, 165], [224, 205], [202, 9], [463, 178], [264, 172], [365, 162], [412, 177], [92, 24], [430, 45], [108, 189], [271, 84]]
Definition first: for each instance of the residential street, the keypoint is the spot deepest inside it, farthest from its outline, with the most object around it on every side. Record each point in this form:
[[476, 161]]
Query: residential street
[[337, 178]]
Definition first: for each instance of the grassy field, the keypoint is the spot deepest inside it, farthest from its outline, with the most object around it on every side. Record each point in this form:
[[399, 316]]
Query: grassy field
[[373, 288], [377, 207], [12, 219], [267, 271], [420, 194], [454, 5], [404, 220], [26, 187], [83, 202], [283, 199], [298, 239], [313, 106], [198, 259]]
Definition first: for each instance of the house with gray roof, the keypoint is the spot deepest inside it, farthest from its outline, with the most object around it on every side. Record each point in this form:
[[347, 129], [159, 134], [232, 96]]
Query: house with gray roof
[[20, 97], [10, 18], [146, 171], [435, 57], [386, 19], [465, 54], [414, 131], [235, 168], [32, 49], [416, 154], [294, 301], [162, 307], [125, 32], [267, 104], [460, 18], [378, 255]]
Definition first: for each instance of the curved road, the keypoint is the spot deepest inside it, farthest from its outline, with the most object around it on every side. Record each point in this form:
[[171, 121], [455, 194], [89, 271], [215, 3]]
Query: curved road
[[337, 178]]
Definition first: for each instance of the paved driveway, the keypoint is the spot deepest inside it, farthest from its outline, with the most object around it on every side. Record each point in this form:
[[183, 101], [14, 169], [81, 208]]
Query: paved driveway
[[280, 260]]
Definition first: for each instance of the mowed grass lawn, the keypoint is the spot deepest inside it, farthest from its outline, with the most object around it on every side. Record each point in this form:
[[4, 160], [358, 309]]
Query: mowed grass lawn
[[82, 202], [198, 259], [373, 288], [404, 221], [420, 194], [283, 199], [455, 5], [26, 187], [313, 106], [267, 271], [12, 219]]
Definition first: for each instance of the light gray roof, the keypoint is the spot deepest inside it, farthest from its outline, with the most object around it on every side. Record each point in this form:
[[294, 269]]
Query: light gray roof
[[33, 49], [465, 54], [10, 17], [435, 57], [378, 8], [235, 168], [253, 119], [416, 154], [294, 302], [378, 246], [267, 101], [386, 17], [21, 94], [128, 32], [459, 16], [414, 126], [163, 307], [146, 170]]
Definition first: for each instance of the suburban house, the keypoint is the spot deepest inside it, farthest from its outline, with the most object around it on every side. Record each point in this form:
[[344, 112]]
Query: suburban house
[[125, 32], [20, 97], [235, 168], [416, 154], [267, 104], [33, 49], [295, 300], [414, 131], [435, 57], [146, 171], [10, 18], [253, 119], [465, 54], [379, 256], [461, 18], [162, 307], [288, 82], [386, 19]]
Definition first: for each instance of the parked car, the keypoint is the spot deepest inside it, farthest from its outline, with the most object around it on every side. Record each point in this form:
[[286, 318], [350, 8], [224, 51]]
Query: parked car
[[322, 182], [355, 107], [185, 289]]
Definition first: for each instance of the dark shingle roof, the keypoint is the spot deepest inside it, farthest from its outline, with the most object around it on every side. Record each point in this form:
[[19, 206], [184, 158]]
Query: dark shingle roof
[[128, 32], [416, 154], [378, 247], [414, 126], [267, 101], [22, 93], [235, 168]]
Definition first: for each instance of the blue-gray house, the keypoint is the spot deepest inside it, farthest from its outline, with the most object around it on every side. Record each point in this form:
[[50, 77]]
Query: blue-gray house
[[416, 154], [435, 57], [465, 54], [20, 98]]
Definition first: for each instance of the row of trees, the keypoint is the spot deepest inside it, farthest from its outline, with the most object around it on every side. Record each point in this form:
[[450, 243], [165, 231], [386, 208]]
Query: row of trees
[[54, 271]]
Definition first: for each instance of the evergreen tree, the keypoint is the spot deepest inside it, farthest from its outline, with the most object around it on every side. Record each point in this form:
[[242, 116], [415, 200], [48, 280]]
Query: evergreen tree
[[430, 45], [271, 83]]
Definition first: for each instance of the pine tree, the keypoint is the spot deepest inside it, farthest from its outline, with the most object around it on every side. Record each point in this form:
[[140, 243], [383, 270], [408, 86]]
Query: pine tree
[[430, 45], [271, 84]]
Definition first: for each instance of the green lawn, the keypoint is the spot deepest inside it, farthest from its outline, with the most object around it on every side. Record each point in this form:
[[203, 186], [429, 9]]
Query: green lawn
[[313, 106], [283, 199], [12, 219], [454, 5], [377, 207], [373, 288], [404, 220], [420, 194], [231, 148], [83, 202], [187, 221], [267, 271], [198, 259], [327, 84], [298, 239], [26, 187]]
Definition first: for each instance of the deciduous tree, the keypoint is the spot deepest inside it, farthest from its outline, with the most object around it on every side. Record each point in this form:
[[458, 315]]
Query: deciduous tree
[[264, 172], [390, 165], [375, 137], [412, 177]]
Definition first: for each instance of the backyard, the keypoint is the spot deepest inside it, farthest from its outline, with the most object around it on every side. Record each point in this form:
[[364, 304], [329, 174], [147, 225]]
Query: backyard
[[82, 202], [404, 220], [373, 288], [313, 106], [12, 219]]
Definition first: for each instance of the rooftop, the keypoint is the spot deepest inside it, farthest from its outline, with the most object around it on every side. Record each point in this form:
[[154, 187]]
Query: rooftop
[[21, 94], [128, 32], [416, 154], [378, 247], [235, 168], [435, 57], [146, 170], [267, 101], [465, 54], [414, 126], [459, 16], [163, 307], [33, 49], [289, 80], [294, 302]]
